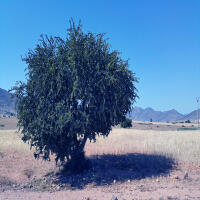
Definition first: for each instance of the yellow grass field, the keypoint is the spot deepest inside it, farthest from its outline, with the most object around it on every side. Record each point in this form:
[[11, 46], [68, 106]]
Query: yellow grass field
[[184, 146]]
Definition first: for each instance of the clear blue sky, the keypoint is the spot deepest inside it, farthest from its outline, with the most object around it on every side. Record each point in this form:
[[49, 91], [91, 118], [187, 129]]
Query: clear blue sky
[[161, 38]]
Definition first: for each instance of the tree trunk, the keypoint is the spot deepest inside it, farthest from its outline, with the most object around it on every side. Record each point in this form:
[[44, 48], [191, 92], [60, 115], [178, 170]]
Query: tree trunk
[[79, 149], [78, 161]]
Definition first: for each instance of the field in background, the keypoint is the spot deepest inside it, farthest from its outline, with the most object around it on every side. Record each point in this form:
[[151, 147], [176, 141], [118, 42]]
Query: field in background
[[162, 126], [8, 123], [184, 146]]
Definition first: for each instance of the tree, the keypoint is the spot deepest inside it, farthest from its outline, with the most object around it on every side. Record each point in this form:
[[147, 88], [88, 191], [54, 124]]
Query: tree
[[127, 123], [76, 89]]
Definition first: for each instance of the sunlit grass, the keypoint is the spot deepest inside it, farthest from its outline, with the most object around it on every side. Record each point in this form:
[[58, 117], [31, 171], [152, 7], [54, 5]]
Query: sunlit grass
[[10, 141], [183, 146]]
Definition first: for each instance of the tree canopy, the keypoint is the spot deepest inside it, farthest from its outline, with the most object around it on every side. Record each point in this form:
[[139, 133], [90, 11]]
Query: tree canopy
[[76, 89]]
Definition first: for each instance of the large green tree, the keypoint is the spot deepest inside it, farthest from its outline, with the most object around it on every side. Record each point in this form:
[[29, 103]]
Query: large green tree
[[76, 89]]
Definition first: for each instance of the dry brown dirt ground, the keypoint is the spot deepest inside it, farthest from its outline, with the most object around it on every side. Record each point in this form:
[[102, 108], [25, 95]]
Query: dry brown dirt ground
[[110, 177]]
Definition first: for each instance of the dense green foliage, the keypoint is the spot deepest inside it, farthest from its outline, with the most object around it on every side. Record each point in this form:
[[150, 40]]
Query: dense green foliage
[[76, 89], [127, 123]]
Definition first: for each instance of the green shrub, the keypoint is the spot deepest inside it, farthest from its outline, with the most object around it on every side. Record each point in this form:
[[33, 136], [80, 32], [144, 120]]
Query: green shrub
[[1, 155], [127, 123]]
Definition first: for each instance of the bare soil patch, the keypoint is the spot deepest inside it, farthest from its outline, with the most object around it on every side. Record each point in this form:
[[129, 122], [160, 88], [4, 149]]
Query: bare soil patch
[[120, 173], [8, 123]]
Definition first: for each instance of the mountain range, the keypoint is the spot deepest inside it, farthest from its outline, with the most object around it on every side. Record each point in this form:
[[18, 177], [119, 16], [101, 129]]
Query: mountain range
[[148, 114], [6, 105], [138, 114]]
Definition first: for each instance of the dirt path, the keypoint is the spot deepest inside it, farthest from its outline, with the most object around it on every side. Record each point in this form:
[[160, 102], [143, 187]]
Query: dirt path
[[111, 177], [171, 187]]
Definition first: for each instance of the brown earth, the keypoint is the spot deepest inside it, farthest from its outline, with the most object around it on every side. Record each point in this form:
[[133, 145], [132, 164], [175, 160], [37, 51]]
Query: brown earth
[[120, 176], [8, 123]]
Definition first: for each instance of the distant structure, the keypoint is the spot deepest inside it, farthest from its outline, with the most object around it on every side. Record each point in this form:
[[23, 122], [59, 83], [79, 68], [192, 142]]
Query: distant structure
[[197, 98]]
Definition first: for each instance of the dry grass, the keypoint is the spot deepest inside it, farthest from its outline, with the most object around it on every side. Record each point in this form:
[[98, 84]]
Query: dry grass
[[183, 146], [10, 141]]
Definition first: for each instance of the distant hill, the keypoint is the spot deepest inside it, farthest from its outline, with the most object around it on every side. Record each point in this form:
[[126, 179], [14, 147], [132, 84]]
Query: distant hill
[[139, 114], [6, 105], [191, 116]]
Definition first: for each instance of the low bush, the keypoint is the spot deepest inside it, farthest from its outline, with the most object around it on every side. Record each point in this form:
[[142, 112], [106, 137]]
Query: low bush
[[127, 123]]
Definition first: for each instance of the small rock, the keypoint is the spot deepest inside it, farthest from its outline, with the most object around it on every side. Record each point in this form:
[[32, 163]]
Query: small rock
[[176, 177], [186, 175], [58, 188], [14, 185], [129, 181], [157, 180], [44, 181]]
